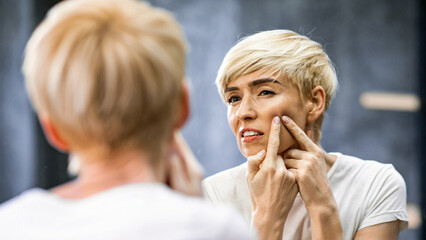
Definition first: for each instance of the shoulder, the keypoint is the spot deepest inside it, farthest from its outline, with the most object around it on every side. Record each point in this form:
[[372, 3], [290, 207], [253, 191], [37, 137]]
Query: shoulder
[[365, 170], [22, 210], [225, 183], [148, 209], [377, 192], [193, 217], [231, 174], [23, 202]]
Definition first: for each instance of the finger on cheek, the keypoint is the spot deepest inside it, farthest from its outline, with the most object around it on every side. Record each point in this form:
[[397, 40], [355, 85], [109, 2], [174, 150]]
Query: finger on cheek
[[298, 134], [286, 120], [274, 138]]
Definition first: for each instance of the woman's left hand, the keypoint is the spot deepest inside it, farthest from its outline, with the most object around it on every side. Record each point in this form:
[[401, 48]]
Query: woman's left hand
[[184, 173], [308, 164]]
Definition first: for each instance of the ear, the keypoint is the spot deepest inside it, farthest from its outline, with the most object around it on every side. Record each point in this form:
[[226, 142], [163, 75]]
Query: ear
[[184, 107], [52, 134], [316, 105]]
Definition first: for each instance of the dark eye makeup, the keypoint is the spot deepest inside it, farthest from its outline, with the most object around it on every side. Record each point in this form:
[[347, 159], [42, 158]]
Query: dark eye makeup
[[266, 92], [233, 99]]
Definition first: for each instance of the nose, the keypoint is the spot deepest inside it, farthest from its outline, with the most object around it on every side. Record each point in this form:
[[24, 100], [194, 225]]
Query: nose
[[246, 110]]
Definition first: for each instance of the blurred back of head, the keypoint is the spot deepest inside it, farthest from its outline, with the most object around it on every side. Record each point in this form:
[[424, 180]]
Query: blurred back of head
[[107, 72]]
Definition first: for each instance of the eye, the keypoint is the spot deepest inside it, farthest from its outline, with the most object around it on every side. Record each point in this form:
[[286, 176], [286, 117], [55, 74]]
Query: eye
[[266, 92], [233, 99]]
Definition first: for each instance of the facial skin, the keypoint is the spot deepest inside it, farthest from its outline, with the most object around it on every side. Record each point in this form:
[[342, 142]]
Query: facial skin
[[254, 100]]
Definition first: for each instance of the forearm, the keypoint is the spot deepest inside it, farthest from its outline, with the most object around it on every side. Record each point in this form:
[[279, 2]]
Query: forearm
[[268, 228], [325, 223]]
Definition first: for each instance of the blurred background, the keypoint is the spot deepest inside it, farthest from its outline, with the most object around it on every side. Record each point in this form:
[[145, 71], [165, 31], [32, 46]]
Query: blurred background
[[377, 47]]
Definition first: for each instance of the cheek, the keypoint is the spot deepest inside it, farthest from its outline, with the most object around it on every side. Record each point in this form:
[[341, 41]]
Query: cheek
[[231, 122], [286, 140]]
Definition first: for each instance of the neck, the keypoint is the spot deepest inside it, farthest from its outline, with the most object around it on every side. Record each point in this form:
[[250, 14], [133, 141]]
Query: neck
[[100, 173], [330, 159]]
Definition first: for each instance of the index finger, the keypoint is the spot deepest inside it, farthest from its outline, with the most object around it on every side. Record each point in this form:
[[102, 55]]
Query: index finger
[[298, 134], [273, 141]]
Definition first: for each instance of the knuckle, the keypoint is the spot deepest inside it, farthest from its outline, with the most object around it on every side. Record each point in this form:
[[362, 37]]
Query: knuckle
[[309, 164], [282, 174], [310, 158], [316, 158], [253, 159], [302, 174], [318, 155], [269, 169], [317, 151], [293, 177], [289, 153], [300, 135], [274, 142]]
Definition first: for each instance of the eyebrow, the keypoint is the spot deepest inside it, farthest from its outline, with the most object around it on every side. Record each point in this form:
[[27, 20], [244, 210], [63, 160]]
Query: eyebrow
[[254, 83]]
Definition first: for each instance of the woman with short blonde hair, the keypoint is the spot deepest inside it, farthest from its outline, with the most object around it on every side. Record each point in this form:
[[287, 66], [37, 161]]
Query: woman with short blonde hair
[[277, 86]]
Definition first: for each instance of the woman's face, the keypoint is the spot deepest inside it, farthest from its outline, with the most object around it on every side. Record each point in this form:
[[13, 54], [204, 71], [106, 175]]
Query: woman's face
[[253, 101]]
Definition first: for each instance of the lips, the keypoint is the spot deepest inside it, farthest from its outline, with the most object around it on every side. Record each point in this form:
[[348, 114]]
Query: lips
[[250, 134]]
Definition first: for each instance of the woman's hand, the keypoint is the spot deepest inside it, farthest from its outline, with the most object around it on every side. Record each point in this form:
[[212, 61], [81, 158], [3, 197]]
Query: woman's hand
[[272, 187], [184, 171], [309, 167]]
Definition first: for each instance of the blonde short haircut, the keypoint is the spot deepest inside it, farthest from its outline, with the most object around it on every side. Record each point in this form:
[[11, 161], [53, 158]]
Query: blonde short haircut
[[108, 72], [288, 55]]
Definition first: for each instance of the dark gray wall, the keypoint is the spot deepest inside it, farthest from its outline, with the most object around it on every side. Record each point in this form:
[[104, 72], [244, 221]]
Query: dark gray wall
[[26, 160], [16, 146]]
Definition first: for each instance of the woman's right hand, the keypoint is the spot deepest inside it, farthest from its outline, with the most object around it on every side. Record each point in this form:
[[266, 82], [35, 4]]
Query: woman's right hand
[[184, 173], [273, 188]]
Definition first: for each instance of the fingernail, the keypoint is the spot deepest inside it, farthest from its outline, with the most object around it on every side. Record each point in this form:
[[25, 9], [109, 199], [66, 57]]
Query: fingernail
[[261, 153], [285, 119], [277, 120]]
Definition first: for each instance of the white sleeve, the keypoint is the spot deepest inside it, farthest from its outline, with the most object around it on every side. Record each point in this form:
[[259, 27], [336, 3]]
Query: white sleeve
[[386, 200], [209, 186], [207, 191]]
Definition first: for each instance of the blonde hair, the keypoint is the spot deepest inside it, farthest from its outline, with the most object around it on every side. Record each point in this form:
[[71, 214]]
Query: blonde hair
[[108, 72], [288, 55]]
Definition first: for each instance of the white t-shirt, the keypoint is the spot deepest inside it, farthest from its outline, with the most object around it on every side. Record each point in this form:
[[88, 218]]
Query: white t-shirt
[[366, 192], [133, 211]]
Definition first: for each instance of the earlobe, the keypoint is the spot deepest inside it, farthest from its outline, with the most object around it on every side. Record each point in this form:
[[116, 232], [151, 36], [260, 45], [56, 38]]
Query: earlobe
[[184, 108], [317, 104], [52, 134]]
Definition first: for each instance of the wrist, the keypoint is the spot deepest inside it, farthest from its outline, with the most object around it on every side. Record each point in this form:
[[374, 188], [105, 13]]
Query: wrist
[[325, 222], [322, 211], [322, 204], [268, 226]]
